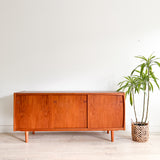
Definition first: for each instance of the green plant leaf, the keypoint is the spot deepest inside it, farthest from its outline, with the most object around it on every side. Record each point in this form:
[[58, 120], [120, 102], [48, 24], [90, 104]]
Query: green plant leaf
[[142, 68], [135, 69], [150, 84], [119, 89], [122, 87], [141, 57], [154, 78], [131, 99], [151, 57], [157, 63]]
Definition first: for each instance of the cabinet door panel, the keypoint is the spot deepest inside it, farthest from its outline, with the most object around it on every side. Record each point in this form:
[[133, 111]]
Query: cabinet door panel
[[31, 112], [105, 111], [68, 111]]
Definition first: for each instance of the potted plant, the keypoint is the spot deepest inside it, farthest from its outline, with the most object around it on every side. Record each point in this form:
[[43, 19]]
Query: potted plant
[[141, 81]]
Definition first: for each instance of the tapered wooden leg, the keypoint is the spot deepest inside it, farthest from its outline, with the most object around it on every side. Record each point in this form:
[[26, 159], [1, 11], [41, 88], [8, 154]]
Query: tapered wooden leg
[[26, 136], [33, 132], [112, 136], [107, 132]]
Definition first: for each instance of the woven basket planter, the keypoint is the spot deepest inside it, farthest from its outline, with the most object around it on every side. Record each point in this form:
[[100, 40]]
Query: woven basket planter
[[140, 132]]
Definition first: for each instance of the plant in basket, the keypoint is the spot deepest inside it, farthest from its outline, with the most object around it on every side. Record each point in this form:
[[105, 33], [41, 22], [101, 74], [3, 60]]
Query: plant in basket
[[141, 80]]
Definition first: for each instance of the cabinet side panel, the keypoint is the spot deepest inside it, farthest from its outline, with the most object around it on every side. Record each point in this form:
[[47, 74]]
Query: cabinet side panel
[[14, 112], [105, 111], [124, 112]]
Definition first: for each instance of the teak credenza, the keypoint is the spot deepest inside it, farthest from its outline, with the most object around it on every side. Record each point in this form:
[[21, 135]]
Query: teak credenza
[[40, 111]]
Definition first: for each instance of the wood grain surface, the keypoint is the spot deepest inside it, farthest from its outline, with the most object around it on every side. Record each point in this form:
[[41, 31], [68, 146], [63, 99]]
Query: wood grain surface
[[38, 111], [105, 111], [68, 111]]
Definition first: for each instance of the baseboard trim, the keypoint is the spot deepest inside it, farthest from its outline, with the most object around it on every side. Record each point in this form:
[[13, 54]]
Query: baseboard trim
[[6, 128]]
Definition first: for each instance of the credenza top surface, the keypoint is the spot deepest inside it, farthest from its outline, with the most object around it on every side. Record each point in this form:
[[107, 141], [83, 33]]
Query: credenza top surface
[[75, 92]]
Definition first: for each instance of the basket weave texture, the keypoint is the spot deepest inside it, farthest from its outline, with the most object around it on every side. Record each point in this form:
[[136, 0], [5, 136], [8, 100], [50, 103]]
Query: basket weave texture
[[140, 133]]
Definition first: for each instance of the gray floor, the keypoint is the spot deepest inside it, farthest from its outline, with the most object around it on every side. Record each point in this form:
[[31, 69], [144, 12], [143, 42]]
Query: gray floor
[[77, 146]]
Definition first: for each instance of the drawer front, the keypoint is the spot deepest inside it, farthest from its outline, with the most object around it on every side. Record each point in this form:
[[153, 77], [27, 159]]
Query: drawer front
[[105, 111]]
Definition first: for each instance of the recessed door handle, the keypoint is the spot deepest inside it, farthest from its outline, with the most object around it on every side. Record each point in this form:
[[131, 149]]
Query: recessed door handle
[[54, 101], [18, 102]]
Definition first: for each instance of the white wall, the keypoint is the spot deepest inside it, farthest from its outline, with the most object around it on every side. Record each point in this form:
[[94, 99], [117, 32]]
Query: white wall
[[74, 45]]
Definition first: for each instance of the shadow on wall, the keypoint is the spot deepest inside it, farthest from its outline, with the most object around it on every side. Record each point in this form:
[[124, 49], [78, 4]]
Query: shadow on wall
[[6, 113]]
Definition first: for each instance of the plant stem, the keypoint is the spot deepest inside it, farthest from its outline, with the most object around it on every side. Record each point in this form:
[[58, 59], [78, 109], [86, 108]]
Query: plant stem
[[144, 99], [134, 106], [147, 105], [147, 98]]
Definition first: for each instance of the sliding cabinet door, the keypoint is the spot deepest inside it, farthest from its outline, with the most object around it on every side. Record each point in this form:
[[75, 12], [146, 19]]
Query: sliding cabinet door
[[68, 111], [31, 112], [105, 111]]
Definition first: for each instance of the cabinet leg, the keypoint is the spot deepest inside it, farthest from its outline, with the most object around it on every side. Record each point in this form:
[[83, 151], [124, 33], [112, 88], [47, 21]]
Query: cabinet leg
[[112, 136], [107, 132], [33, 132], [26, 136]]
